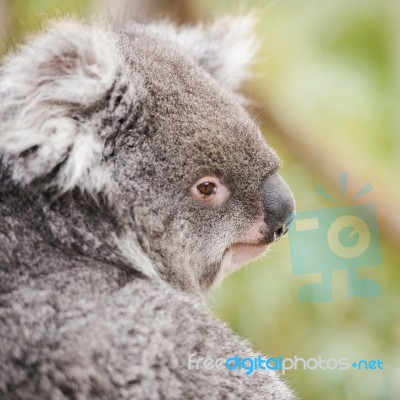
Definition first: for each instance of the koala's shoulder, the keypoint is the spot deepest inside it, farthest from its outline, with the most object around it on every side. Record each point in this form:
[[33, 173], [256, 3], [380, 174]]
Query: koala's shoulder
[[100, 336]]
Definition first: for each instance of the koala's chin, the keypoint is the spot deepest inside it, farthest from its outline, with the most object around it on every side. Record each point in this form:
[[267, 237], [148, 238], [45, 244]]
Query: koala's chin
[[241, 254], [238, 254], [131, 180]]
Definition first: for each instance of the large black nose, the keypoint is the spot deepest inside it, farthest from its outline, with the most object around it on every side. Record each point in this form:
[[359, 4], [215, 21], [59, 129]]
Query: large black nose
[[278, 206]]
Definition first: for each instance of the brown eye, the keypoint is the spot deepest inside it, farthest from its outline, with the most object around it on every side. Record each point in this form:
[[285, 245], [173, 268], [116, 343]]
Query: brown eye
[[207, 188]]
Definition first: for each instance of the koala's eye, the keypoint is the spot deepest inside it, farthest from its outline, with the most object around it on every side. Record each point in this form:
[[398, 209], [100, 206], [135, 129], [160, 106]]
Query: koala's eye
[[210, 190], [207, 188]]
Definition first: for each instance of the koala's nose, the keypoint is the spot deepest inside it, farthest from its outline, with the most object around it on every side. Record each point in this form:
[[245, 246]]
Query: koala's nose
[[278, 203]]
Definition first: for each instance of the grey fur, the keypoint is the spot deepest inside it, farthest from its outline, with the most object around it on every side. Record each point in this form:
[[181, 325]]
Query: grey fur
[[105, 260]]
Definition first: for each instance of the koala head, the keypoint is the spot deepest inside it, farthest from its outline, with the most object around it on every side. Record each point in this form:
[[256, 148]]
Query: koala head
[[147, 117]]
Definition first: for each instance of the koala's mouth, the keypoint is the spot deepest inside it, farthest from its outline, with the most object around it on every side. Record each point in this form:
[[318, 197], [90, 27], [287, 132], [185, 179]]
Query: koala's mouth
[[239, 254], [242, 253]]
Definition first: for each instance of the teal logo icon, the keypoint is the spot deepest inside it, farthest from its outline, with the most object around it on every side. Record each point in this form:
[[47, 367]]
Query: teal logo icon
[[344, 237]]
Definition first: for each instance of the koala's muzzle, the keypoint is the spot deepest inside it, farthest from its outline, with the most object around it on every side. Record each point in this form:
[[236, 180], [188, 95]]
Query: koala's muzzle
[[278, 204]]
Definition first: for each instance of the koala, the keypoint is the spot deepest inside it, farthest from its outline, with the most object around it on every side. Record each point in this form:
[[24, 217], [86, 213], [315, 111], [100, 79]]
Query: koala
[[132, 181]]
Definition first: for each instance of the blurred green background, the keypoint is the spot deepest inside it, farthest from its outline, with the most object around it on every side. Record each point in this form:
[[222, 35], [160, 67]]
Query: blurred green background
[[330, 71]]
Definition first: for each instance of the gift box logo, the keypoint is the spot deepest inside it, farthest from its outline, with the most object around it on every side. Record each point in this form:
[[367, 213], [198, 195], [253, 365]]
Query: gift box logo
[[345, 237]]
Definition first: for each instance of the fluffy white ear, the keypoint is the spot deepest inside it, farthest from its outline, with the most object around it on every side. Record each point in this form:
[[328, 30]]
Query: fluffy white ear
[[225, 49], [46, 89]]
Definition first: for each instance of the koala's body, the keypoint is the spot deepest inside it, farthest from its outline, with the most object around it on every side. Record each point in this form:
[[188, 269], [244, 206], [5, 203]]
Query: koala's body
[[131, 181]]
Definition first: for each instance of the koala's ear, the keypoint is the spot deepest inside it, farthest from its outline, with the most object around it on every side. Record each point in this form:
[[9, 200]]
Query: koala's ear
[[225, 49], [47, 90]]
